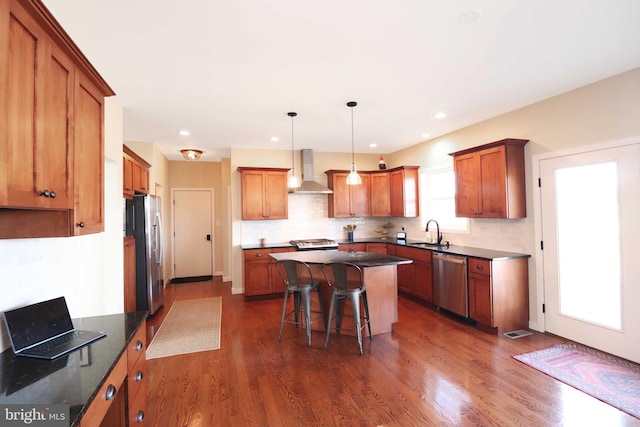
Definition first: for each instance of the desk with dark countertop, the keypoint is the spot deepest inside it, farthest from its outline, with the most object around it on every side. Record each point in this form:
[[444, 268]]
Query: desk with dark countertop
[[73, 379], [380, 276]]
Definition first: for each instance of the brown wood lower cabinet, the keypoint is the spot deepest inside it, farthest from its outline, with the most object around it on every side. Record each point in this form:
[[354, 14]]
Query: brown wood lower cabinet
[[499, 294], [137, 379], [260, 275], [415, 279], [129, 274]]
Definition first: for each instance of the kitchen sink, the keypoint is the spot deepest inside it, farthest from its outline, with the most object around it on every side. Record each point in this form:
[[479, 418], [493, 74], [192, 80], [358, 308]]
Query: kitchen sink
[[426, 245]]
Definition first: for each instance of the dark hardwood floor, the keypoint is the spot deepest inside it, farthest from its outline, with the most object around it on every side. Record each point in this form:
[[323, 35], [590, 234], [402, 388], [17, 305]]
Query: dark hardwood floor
[[431, 371]]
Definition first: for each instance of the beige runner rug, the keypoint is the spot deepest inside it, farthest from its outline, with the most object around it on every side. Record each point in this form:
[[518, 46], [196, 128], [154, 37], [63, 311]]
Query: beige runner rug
[[190, 326]]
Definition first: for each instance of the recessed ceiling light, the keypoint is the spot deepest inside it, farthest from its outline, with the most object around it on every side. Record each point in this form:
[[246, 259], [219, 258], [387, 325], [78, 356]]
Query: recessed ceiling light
[[275, 139], [440, 115], [184, 132], [373, 145], [425, 135]]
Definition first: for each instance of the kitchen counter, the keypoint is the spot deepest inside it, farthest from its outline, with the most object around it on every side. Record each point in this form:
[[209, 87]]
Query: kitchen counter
[[362, 259], [489, 254], [73, 379]]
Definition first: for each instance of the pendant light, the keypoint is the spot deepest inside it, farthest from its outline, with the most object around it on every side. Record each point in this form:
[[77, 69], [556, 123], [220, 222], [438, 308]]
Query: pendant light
[[293, 181], [353, 178]]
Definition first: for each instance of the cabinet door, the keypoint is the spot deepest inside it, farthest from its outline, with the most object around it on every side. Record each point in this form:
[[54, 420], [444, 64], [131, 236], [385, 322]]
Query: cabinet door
[[37, 149], [127, 176], [423, 280], [467, 178], [257, 272], [380, 194], [359, 197], [405, 197], [88, 213], [129, 274], [275, 196], [480, 307], [493, 183], [340, 200], [253, 184]]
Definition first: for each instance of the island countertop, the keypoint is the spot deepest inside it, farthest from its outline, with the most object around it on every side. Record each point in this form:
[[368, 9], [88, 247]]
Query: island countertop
[[362, 259]]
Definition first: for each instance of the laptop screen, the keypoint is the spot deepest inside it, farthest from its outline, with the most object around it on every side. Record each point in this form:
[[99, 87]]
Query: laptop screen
[[38, 322]]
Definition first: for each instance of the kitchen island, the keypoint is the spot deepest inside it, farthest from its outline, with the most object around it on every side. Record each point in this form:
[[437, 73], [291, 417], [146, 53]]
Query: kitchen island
[[380, 276]]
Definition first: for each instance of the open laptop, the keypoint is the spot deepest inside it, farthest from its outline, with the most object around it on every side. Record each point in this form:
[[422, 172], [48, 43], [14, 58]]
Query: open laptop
[[45, 330]]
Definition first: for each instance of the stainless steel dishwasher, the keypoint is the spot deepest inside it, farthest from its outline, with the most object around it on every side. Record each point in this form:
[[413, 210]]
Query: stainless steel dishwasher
[[450, 289]]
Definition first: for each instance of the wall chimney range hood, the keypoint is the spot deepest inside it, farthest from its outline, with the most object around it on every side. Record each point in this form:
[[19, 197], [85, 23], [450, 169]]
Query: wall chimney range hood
[[308, 185]]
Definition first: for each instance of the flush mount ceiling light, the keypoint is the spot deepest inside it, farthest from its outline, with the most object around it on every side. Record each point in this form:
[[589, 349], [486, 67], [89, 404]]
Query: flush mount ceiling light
[[293, 181], [191, 154], [353, 178], [184, 132], [440, 115]]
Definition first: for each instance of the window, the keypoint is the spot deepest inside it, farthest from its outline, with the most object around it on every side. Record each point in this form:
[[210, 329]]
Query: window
[[437, 198]]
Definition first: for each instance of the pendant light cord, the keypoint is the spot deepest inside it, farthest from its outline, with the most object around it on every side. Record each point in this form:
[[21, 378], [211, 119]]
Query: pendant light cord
[[353, 161]]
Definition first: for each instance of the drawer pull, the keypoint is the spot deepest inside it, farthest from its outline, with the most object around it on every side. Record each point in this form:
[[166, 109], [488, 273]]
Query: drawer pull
[[479, 267], [139, 345], [140, 416], [138, 376], [111, 392], [258, 254], [80, 224]]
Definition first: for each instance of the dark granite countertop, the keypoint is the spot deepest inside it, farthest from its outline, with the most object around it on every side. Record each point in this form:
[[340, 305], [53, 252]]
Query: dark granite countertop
[[489, 254], [362, 259], [73, 379]]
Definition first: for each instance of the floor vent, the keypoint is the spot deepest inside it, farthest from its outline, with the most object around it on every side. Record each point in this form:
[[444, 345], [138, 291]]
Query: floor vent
[[517, 334]]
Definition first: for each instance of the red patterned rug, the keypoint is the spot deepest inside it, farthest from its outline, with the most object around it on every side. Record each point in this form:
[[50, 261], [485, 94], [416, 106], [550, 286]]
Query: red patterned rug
[[608, 378]]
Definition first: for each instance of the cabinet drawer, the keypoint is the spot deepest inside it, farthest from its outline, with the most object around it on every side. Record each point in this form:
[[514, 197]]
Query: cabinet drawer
[[137, 411], [137, 378], [480, 266], [105, 396], [414, 253], [137, 346], [256, 254]]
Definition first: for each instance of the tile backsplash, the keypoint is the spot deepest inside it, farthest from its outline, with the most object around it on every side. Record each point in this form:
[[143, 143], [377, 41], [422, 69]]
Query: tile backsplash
[[308, 220]]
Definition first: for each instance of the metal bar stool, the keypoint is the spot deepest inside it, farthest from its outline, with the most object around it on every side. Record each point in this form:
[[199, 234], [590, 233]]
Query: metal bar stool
[[347, 283], [299, 281]]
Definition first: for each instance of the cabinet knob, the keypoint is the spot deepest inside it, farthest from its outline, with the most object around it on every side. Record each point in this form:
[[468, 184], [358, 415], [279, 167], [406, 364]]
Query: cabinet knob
[[111, 392], [139, 345], [47, 193], [479, 267], [138, 376], [80, 224], [140, 416], [259, 254]]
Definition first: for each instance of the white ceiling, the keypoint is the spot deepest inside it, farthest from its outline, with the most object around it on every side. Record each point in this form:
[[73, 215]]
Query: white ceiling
[[229, 71]]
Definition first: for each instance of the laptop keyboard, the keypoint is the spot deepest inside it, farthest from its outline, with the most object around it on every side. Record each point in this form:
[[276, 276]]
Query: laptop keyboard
[[63, 340]]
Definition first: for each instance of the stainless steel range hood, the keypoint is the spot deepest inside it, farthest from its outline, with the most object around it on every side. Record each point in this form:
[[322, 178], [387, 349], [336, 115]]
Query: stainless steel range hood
[[308, 185]]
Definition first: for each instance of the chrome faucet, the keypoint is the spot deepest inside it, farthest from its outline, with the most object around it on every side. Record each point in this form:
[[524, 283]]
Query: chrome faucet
[[438, 234]]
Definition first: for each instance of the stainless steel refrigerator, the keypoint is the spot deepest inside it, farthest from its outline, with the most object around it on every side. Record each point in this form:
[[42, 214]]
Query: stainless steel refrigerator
[[147, 230]]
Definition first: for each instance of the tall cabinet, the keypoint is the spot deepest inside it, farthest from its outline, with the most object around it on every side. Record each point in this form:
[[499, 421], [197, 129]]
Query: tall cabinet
[[51, 128]]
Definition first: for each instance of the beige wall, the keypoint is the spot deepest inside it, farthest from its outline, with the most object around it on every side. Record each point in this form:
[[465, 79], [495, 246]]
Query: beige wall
[[605, 111], [183, 174]]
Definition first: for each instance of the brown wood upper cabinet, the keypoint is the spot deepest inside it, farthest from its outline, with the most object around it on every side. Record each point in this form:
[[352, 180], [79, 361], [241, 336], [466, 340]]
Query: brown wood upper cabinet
[[348, 200], [135, 178], [392, 192], [264, 193], [51, 134], [490, 180]]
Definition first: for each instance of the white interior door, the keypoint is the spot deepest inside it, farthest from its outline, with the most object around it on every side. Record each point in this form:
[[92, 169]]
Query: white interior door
[[192, 233], [590, 204]]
